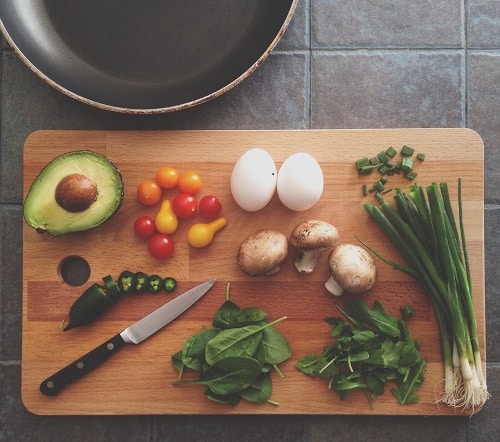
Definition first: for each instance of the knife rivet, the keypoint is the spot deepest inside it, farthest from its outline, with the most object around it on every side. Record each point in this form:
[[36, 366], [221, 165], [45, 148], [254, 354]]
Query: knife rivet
[[80, 365], [110, 346], [50, 384]]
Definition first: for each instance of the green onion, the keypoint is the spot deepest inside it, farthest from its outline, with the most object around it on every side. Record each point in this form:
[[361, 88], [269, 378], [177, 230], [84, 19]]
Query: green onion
[[383, 157], [362, 162], [407, 151], [422, 228], [391, 152], [406, 164]]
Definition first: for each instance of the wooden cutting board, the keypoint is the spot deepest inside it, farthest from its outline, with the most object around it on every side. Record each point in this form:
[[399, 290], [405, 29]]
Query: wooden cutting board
[[138, 380]]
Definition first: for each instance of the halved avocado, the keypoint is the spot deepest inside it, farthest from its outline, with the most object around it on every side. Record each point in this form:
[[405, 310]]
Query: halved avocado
[[76, 191]]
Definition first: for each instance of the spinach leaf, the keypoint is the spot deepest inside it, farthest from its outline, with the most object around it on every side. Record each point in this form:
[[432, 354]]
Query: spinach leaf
[[276, 346], [234, 357], [231, 399], [231, 342], [229, 315], [177, 361], [229, 375], [226, 315], [260, 390], [193, 351]]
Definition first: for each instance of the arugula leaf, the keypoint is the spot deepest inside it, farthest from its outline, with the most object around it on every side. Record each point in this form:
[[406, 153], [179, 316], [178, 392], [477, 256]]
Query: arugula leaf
[[376, 317], [369, 351]]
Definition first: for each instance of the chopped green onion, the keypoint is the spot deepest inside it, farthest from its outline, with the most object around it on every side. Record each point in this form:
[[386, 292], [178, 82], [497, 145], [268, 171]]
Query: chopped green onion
[[406, 164], [407, 151], [410, 175], [421, 156], [391, 152], [383, 157], [362, 162], [367, 169]]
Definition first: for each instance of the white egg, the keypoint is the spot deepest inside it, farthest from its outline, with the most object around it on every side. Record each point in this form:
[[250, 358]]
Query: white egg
[[253, 179], [300, 182]]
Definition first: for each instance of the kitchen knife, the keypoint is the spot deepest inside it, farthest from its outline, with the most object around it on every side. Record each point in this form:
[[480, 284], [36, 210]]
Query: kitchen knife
[[134, 334]]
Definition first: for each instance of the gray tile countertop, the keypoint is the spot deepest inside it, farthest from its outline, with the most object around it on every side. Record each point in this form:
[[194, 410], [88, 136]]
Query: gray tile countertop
[[340, 64]]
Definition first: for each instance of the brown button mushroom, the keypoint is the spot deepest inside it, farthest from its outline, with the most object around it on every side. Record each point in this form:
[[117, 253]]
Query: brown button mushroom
[[352, 270], [262, 253], [311, 238]]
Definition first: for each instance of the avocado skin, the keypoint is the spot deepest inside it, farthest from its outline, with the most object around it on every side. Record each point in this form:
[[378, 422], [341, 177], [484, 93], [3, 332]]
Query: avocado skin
[[41, 210]]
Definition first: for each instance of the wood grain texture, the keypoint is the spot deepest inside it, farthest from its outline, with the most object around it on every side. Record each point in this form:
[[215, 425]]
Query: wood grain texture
[[139, 379]]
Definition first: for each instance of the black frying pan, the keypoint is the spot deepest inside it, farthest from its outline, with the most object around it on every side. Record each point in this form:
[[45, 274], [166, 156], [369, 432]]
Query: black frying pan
[[144, 56]]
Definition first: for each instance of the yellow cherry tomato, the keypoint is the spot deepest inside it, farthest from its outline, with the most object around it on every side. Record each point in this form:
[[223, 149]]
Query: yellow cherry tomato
[[201, 234], [166, 220]]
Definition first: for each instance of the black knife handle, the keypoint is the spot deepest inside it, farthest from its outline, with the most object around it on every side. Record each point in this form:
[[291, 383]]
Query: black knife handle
[[52, 385]]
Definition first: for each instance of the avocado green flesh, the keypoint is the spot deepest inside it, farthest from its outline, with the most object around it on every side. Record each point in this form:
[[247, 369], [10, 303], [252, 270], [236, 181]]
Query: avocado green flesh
[[41, 210]]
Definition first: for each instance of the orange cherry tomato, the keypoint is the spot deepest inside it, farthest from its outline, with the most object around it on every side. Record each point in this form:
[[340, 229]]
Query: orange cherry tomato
[[189, 182], [149, 192], [167, 177]]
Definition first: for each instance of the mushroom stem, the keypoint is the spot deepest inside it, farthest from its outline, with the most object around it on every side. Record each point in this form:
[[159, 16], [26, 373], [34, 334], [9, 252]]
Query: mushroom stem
[[307, 261], [311, 238], [333, 287]]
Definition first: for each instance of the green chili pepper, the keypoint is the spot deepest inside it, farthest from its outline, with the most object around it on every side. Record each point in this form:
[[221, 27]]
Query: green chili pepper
[[126, 282], [96, 299], [91, 303], [155, 283], [169, 284], [141, 282], [111, 287]]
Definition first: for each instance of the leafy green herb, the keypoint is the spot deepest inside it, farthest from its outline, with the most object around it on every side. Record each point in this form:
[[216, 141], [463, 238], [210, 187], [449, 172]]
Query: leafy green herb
[[235, 356], [369, 350]]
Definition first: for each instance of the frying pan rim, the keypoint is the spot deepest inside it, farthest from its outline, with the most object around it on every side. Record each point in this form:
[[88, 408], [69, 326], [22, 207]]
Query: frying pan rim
[[153, 110]]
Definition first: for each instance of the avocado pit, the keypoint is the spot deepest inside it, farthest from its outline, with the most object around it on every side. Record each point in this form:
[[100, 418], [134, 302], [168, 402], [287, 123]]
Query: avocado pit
[[76, 192]]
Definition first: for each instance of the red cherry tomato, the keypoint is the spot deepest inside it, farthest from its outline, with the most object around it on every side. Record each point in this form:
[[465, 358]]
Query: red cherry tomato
[[184, 205], [161, 246], [210, 206], [144, 227]]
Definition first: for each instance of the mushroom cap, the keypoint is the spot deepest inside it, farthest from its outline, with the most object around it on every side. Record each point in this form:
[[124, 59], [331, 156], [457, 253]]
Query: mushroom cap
[[353, 268], [263, 252], [314, 234]]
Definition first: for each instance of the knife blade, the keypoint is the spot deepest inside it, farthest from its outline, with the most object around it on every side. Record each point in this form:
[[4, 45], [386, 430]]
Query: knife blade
[[134, 334]]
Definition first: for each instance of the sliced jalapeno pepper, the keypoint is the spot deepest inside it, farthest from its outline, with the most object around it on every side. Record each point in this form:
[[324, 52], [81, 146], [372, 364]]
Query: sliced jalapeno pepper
[[155, 283], [90, 304], [169, 284], [126, 282], [111, 287], [141, 282]]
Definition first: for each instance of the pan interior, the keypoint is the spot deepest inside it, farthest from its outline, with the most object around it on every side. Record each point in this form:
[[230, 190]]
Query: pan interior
[[143, 53]]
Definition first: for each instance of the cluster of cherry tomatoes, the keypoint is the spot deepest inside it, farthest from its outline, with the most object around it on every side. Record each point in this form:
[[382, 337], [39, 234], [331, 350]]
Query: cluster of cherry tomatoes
[[184, 205]]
